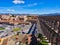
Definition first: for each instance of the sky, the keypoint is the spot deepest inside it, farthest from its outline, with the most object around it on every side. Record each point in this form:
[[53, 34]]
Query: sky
[[30, 6]]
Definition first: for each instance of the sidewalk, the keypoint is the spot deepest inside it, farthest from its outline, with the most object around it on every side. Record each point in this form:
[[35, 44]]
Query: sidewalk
[[41, 32]]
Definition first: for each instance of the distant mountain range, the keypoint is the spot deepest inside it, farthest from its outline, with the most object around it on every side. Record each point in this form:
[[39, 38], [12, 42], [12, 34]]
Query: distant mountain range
[[19, 14], [51, 14]]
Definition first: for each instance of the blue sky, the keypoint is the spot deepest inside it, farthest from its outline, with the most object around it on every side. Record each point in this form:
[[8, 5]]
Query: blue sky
[[30, 6]]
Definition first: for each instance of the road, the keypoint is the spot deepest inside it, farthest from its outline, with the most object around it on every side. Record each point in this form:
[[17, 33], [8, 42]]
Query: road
[[39, 28], [33, 29]]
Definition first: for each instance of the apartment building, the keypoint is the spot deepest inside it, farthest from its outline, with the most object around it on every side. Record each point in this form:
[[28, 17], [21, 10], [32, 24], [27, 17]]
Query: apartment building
[[32, 19], [17, 19]]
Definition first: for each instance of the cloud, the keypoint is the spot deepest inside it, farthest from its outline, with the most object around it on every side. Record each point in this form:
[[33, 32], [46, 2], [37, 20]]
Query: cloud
[[34, 4], [41, 3], [18, 2], [10, 10], [7, 11]]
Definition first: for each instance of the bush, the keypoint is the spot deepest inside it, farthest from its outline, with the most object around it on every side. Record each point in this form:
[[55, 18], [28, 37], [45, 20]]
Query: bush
[[39, 43], [43, 42], [2, 28], [40, 36], [16, 29]]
